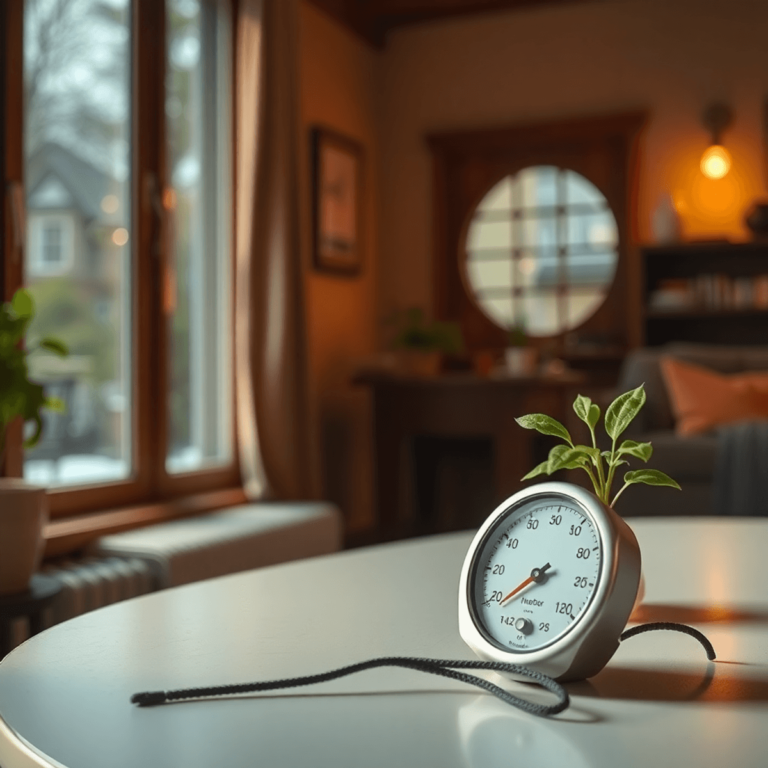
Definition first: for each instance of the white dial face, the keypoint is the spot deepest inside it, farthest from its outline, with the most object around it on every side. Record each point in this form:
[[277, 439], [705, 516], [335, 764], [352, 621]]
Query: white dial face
[[535, 573]]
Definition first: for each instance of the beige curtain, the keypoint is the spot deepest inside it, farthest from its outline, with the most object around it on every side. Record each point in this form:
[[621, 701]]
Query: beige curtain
[[274, 432]]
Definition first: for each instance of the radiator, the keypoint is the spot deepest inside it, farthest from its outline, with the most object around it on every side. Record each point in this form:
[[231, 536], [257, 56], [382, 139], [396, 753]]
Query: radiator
[[181, 551], [89, 583]]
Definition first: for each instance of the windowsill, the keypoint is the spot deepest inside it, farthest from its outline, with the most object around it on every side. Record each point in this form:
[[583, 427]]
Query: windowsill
[[66, 535]]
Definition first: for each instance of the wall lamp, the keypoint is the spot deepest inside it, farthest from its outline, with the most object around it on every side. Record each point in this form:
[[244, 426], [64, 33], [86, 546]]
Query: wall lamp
[[716, 160]]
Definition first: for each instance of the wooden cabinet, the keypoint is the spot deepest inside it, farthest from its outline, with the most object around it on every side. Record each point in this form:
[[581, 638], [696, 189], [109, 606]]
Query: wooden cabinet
[[704, 292]]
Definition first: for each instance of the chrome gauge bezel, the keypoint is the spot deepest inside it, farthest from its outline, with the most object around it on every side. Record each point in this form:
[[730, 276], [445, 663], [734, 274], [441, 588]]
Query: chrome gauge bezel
[[592, 639], [497, 522]]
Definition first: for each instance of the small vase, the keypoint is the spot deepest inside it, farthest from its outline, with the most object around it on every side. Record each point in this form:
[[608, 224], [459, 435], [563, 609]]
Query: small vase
[[521, 361], [665, 221], [23, 514]]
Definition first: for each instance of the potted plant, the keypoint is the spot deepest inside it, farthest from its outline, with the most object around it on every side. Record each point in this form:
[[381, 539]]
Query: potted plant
[[23, 507], [520, 358], [421, 343], [600, 465]]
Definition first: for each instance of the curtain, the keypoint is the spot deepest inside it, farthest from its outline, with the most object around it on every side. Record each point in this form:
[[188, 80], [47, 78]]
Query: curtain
[[273, 424]]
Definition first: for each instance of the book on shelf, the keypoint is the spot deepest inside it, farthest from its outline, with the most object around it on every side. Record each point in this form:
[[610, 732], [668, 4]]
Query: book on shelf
[[710, 292]]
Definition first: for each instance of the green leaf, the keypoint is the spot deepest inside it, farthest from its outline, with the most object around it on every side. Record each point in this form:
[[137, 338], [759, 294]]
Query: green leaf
[[581, 407], [638, 450], [563, 457], [55, 404], [54, 345], [22, 303], [622, 410], [540, 469], [594, 415], [544, 424], [31, 441], [592, 453], [650, 477]]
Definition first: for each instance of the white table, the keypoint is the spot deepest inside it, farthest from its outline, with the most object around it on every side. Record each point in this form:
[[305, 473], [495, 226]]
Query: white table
[[65, 693]]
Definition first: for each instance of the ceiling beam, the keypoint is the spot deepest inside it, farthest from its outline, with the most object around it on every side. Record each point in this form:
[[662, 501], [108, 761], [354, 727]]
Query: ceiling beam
[[373, 19]]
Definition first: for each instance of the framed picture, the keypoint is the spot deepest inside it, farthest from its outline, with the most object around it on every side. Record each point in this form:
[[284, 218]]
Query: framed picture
[[337, 186]]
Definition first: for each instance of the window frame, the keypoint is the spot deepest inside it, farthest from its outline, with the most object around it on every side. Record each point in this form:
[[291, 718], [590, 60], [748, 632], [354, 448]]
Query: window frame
[[151, 493], [466, 164], [562, 290]]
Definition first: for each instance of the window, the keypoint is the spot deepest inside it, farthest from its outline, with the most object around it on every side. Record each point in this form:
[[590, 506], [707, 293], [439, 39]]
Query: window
[[541, 250], [127, 183], [50, 248], [532, 225]]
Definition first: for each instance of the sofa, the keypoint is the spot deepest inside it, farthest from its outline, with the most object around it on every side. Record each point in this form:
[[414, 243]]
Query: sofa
[[692, 460]]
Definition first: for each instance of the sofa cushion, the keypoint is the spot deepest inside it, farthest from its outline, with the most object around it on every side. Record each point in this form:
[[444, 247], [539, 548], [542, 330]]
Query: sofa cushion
[[703, 399], [643, 366]]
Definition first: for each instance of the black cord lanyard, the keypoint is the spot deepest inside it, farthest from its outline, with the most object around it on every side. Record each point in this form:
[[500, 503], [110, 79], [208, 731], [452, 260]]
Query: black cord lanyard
[[441, 667]]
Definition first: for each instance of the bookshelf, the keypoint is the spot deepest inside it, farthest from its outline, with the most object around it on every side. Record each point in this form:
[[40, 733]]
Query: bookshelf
[[713, 292]]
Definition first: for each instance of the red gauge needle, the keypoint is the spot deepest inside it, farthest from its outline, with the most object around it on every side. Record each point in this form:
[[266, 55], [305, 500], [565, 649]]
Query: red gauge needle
[[537, 575]]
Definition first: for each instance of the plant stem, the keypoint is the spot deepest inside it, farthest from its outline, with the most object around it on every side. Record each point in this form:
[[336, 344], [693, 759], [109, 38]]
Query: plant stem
[[592, 477], [615, 498], [611, 470], [603, 492]]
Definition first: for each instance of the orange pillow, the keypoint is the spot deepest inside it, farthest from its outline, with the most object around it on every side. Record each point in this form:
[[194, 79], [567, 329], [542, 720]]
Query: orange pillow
[[702, 399]]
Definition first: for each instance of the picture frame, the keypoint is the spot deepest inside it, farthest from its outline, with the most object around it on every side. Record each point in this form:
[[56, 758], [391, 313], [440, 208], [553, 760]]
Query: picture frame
[[337, 198]]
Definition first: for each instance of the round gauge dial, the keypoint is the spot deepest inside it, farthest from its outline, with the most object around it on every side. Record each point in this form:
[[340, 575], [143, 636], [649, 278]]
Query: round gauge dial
[[535, 573]]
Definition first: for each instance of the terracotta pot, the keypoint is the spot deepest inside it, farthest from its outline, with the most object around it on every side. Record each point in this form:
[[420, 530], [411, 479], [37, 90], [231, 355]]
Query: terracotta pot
[[23, 514]]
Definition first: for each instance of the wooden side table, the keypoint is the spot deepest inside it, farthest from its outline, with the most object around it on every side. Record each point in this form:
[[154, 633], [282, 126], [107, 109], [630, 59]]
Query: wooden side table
[[454, 405], [30, 604]]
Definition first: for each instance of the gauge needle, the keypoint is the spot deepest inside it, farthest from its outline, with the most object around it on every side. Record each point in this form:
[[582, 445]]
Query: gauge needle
[[537, 575]]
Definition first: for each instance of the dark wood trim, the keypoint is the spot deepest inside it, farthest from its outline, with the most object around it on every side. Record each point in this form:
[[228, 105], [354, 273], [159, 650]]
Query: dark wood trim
[[467, 163], [11, 51], [373, 19], [569, 132], [4, 117]]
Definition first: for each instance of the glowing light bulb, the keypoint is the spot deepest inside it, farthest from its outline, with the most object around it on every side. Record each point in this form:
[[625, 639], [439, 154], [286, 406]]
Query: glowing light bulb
[[715, 162]]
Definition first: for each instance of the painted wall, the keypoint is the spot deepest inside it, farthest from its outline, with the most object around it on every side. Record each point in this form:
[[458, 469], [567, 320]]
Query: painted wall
[[671, 57], [339, 90]]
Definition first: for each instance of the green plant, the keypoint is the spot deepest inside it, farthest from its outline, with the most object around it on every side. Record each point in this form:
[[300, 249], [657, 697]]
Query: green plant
[[517, 336], [20, 397], [414, 331], [599, 465]]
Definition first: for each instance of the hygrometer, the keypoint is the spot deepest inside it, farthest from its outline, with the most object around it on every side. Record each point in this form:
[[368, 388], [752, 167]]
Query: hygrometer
[[549, 582]]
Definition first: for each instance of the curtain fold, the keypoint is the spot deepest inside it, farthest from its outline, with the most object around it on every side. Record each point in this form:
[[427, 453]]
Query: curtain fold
[[273, 421]]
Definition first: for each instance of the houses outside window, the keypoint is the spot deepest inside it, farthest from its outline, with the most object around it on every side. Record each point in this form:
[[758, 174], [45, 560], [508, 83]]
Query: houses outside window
[[127, 184], [51, 246]]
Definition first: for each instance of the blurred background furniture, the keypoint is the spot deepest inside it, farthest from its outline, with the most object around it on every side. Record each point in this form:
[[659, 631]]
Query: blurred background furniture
[[692, 461], [453, 407], [29, 604]]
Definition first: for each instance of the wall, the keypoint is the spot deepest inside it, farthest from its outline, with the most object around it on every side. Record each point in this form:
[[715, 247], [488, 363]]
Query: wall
[[339, 90], [671, 57]]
